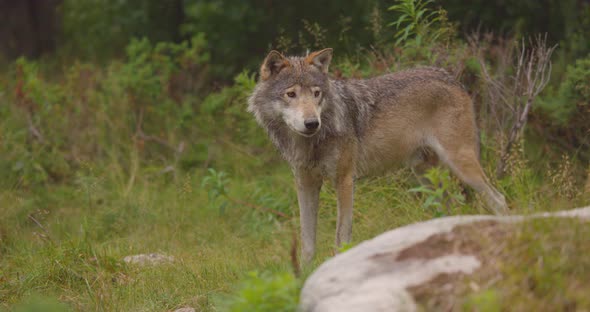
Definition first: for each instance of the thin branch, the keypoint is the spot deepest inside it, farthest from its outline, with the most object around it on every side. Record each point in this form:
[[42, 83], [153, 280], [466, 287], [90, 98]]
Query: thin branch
[[33, 130], [47, 235], [532, 75], [140, 134]]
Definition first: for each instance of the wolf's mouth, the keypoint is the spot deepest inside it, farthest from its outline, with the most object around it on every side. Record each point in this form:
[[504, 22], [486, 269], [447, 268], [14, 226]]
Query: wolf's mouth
[[308, 134]]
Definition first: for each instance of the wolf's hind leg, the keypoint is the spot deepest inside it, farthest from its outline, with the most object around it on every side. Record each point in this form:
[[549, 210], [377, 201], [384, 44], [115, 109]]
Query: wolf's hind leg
[[309, 184], [463, 161]]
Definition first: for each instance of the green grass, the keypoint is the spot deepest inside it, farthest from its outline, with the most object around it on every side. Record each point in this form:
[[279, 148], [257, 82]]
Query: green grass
[[546, 267], [75, 251], [67, 241]]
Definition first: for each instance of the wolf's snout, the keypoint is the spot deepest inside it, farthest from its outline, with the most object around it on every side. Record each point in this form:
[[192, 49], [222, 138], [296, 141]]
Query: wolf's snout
[[311, 124]]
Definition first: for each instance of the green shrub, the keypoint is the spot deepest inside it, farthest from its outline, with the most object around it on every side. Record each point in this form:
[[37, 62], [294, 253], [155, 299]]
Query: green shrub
[[441, 193], [419, 23], [149, 68], [266, 293], [573, 95], [100, 29], [564, 114], [152, 94]]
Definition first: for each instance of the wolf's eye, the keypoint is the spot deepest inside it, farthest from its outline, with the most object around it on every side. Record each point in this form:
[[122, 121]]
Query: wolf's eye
[[291, 94], [317, 93]]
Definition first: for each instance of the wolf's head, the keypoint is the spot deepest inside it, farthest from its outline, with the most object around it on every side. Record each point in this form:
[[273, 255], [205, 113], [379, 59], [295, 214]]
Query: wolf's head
[[292, 90]]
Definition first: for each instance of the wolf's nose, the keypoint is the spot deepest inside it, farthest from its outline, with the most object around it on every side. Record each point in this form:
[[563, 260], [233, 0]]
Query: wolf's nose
[[311, 124]]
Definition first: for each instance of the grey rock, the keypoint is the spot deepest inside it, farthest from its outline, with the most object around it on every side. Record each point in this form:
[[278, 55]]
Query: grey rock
[[148, 259], [360, 280], [187, 309]]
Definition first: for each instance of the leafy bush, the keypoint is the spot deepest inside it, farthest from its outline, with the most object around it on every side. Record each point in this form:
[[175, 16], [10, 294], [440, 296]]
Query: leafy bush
[[216, 184], [564, 114], [115, 111], [150, 67], [416, 21], [101, 29], [441, 193], [573, 95], [34, 100], [266, 293]]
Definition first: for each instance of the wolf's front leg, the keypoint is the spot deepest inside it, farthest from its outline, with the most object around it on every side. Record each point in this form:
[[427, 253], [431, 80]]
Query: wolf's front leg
[[309, 184], [344, 192]]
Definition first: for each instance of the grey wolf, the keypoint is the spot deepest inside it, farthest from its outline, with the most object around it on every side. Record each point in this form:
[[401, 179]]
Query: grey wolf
[[339, 130]]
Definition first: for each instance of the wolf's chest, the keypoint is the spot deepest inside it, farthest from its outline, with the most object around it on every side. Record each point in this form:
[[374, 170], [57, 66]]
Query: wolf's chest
[[322, 156]]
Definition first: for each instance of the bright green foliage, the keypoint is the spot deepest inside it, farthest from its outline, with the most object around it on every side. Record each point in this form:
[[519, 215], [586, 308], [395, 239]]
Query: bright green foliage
[[266, 293], [34, 99], [573, 96], [419, 23], [230, 104], [149, 68], [568, 107], [216, 183], [440, 193], [152, 96], [485, 301], [345, 247], [244, 83], [37, 92]]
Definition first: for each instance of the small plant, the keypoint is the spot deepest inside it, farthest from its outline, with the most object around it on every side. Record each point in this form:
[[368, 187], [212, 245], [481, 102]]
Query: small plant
[[266, 292], [563, 178], [486, 301], [316, 33], [88, 182], [216, 182], [419, 22], [441, 191], [516, 161], [345, 247]]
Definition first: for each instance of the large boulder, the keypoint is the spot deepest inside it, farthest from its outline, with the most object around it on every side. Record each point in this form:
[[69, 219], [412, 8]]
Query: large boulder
[[389, 272]]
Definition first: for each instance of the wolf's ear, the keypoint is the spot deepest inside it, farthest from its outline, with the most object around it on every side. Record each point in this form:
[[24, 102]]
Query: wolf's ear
[[273, 64], [321, 59]]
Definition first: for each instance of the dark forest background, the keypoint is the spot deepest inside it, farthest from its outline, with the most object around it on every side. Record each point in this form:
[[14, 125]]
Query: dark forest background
[[239, 32]]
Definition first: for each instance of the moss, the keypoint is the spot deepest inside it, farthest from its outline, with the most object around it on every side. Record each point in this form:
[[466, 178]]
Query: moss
[[537, 265]]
